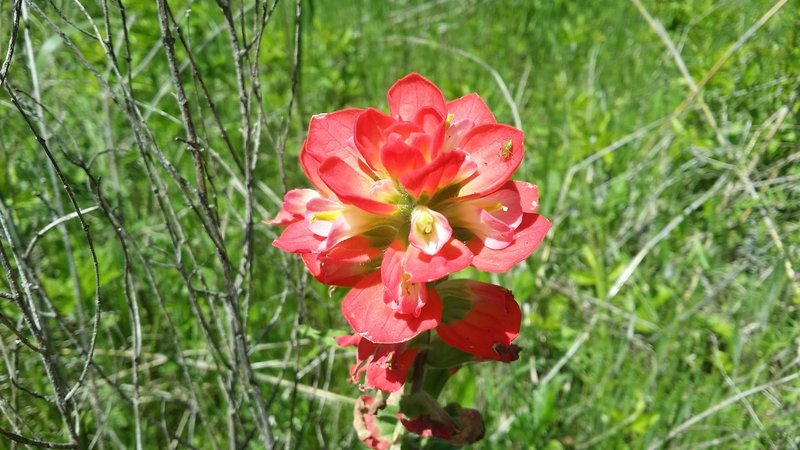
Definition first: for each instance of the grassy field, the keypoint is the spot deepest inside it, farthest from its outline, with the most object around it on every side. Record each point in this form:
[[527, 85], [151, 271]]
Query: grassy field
[[663, 310]]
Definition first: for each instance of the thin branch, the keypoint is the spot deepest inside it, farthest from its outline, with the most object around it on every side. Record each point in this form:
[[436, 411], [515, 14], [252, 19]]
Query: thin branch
[[12, 42], [62, 401], [183, 102], [39, 234], [34, 442]]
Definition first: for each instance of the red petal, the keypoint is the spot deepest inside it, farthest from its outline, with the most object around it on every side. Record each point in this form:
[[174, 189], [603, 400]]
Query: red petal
[[497, 150], [399, 158], [310, 167], [492, 319], [345, 264], [528, 196], [402, 131], [470, 107], [412, 93], [428, 119], [329, 135], [435, 175], [503, 204], [433, 125], [293, 207], [297, 238], [528, 236], [370, 135], [497, 234], [393, 377], [369, 316], [453, 257], [352, 186], [348, 340], [283, 218], [398, 293]]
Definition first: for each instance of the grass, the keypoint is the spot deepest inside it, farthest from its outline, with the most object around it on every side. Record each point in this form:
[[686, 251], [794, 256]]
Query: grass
[[661, 312]]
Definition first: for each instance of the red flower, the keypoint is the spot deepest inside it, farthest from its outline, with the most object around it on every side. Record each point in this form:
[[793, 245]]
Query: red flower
[[430, 176], [386, 365], [422, 192]]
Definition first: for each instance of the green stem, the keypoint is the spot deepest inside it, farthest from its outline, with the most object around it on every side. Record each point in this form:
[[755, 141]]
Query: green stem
[[418, 376]]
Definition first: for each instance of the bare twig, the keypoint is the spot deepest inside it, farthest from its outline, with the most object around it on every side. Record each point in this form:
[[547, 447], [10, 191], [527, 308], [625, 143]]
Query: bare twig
[[12, 42], [34, 442], [65, 218]]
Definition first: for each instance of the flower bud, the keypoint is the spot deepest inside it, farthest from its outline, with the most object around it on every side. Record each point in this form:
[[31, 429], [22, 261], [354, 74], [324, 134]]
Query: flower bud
[[479, 318]]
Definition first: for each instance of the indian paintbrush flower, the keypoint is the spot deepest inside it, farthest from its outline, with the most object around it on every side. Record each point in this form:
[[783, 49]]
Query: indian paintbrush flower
[[417, 194], [400, 202]]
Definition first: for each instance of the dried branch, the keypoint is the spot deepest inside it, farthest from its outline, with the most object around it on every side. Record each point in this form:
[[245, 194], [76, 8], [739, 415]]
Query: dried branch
[[12, 42]]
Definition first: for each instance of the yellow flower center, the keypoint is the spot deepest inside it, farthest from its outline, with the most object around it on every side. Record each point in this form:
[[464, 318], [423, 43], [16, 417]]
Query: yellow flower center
[[328, 216], [425, 221]]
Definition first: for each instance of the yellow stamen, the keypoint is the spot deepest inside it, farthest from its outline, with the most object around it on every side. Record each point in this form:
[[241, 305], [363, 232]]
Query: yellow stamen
[[425, 222], [496, 207], [326, 215]]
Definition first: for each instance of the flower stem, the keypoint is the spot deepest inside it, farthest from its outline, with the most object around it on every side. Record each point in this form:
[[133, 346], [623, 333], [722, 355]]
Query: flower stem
[[418, 376]]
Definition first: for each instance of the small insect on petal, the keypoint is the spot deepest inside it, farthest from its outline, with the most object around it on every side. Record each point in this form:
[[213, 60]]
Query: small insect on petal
[[507, 150]]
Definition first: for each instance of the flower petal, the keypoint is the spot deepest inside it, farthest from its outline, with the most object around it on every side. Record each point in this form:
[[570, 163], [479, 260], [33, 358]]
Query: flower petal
[[479, 318], [352, 186], [389, 369], [453, 257], [453, 134], [528, 196], [429, 230], [445, 169], [369, 316], [321, 213], [348, 340], [428, 119], [345, 264], [370, 135], [433, 126], [329, 135], [294, 206], [497, 150], [412, 93], [399, 293], [527, 237], [504, 204], [399, 158], [297, 238], [496, 234], [470, 107], [310, 167]]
